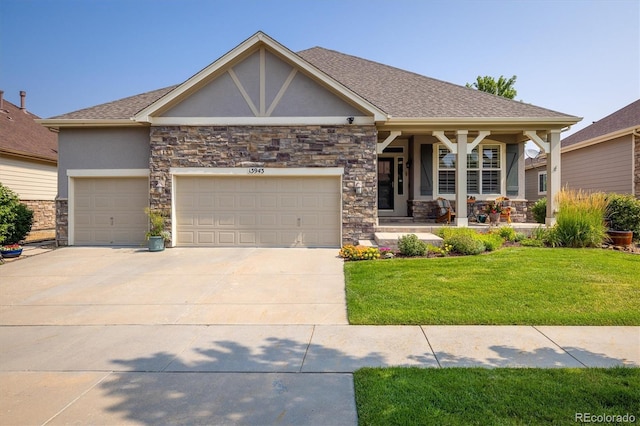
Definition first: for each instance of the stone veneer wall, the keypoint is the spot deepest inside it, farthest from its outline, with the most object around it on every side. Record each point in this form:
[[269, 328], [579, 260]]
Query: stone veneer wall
[[62, 222], [422, 210], [44, 213], [351, 147]]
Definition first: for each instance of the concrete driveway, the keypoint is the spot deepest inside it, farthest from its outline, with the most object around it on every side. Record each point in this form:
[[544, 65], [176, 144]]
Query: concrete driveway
[[94, 286], [184, 336]]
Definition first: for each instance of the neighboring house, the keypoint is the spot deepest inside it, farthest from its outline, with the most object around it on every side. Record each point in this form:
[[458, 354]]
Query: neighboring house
[[603, 157], [266, 147], [28, 164]]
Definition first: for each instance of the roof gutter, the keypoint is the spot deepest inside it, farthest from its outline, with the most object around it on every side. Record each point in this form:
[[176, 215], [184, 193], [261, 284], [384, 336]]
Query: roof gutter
[[28, 156], [510, 123], [602, 138], [58, 123]]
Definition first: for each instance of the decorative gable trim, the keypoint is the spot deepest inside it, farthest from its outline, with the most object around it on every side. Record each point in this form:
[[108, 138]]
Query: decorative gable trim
[[251, 45]]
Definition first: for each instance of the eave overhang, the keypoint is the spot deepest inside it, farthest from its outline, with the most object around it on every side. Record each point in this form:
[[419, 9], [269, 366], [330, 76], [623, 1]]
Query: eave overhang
[[57, 123], [477, 123], [603, 138]]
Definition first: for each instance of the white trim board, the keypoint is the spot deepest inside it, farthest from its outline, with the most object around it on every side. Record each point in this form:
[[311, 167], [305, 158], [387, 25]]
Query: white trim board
[[108, 173], [256, 171]]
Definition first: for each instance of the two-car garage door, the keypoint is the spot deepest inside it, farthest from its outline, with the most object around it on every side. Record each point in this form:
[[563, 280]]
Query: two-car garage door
[[257, 211]]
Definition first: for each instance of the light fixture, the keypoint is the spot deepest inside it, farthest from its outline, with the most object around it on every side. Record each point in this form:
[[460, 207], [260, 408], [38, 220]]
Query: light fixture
[[350, 120], [359, 188]]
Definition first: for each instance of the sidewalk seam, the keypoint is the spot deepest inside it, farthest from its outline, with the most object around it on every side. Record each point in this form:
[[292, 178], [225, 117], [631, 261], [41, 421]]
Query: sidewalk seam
[[563, 349], [304, 358], [73, 401], [424, 333]]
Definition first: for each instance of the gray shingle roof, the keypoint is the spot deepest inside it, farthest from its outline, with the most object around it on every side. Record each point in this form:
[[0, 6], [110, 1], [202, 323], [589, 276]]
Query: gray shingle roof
[[623, 118], [121, 109], [21, 135], [402, 93], [397, 92]]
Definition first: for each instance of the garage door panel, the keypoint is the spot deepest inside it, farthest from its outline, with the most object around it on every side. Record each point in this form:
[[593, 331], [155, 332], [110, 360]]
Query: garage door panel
[[110, 211], [227, 237], [258, 211]]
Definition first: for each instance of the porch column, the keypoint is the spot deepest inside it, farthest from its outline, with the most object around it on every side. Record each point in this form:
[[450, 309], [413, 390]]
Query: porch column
[[554, 176], [461, 178]]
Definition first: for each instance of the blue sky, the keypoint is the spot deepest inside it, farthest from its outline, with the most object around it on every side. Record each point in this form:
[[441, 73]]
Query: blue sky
[[574, 56]]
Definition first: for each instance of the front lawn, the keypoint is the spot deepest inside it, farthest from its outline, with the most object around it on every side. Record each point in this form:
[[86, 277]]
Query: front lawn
[[520, 285], [505, 396]]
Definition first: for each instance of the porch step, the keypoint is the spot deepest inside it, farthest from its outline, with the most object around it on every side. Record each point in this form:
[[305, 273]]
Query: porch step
[[394, 219], [390, 239], [408, 229]]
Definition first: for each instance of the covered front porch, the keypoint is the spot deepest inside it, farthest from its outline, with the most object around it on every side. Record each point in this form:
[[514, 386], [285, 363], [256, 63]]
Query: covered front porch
[[469, 167]]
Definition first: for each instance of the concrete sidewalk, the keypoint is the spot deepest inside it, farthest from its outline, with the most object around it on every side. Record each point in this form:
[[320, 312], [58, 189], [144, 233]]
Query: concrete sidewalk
[[240, 374]]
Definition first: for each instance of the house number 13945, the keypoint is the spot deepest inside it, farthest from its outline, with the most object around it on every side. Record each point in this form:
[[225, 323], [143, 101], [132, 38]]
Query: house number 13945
[[256, 170]]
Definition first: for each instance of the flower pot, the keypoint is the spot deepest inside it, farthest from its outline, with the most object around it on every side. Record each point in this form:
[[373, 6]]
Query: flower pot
[[620, 238], [482, 218], [7, 254], [156, 243], [494, 217]]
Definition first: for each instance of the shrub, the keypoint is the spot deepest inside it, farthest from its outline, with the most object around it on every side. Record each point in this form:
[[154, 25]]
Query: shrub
[[507, 233], [16, 219], [351, 252], [410, 245], [580, 219], [439, 251], [539, 210], [623, 213], [491, 241], [465, 244]]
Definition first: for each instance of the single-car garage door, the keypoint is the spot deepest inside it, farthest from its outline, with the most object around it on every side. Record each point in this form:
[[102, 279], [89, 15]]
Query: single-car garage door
[[110, 211], [262, 211]]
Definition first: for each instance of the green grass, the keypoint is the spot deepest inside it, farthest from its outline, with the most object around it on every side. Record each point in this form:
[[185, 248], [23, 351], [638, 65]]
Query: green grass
[[506, 396], [522, 285]]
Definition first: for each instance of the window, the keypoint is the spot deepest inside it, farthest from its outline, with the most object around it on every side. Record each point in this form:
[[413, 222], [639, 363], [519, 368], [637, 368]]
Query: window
[[542, 183], [446, 171], [484, 170]]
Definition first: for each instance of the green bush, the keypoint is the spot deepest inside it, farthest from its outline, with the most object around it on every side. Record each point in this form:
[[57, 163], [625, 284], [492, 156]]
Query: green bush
[[491, 241], [539, 210], [507, 233], [465, 244], [410, 245], [580, 219], [16, 219], [623, 214]]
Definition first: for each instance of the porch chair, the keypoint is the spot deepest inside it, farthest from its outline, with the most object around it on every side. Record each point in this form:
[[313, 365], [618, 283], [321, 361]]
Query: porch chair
[[444, 212]]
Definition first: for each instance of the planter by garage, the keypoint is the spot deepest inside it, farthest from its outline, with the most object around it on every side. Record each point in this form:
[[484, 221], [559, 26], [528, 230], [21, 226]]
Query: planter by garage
[[620, 238], [156, 243]]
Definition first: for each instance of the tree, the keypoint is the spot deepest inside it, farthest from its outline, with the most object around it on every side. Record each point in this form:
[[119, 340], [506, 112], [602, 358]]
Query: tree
[[502, 87], [15, 218]]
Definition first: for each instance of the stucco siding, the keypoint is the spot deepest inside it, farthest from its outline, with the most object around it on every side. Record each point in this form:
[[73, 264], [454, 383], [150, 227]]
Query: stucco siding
[[31, 180], [281, 96], [606, 167], [100, 149]]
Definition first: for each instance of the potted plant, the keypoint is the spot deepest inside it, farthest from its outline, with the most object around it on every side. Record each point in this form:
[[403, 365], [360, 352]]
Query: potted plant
[[156, 234], [623, 219], [493, 209]]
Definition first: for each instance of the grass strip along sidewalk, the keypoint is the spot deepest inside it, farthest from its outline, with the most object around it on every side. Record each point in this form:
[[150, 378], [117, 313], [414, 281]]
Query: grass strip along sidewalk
[[514, 286], [504, 396]]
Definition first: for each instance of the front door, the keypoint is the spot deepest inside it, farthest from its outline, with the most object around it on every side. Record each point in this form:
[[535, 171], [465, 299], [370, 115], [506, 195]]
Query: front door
[[386, 194]]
